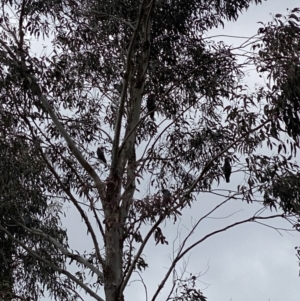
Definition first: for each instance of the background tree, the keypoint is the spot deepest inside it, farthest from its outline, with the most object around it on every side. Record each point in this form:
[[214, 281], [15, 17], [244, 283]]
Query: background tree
[[106, 59], [28, 200]]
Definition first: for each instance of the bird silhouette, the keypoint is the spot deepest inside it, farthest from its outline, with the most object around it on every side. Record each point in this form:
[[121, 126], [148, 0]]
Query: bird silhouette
[[100, 154], [166, 196], [119, 87], [151, 105], [227, 169]]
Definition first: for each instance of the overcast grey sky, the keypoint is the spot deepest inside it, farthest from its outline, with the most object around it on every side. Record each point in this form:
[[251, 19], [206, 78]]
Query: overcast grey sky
[[247, 263]]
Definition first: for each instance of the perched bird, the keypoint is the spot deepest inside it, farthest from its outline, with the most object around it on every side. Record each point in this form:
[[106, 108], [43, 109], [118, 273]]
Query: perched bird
[[100, 154], [166, 196], [227, 169], [151, 105], [119, 87]]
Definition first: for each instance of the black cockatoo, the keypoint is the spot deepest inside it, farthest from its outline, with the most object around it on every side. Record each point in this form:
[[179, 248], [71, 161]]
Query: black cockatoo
[[151, 105], [100, 154], [118, 87], [227, 169], [166, 196]]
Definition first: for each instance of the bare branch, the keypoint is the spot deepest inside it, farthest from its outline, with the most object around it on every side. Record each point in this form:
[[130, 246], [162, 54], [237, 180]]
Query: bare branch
[[179, 256], [138, 254]]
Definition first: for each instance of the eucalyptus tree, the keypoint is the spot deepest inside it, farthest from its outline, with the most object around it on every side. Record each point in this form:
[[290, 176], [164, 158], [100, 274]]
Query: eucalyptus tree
[[27, 200], [92, 89]]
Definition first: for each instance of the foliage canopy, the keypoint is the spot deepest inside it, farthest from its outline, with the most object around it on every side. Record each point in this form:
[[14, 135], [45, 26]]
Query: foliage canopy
[[91, 89]]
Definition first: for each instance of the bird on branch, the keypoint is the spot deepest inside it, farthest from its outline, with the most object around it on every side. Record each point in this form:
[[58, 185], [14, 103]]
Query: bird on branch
[[151, 105], [100, 154], [166, 196], [118, 87], [227, 169]]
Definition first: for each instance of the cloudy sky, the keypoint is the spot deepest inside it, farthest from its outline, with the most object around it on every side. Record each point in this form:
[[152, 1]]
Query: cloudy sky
[[246, 263]]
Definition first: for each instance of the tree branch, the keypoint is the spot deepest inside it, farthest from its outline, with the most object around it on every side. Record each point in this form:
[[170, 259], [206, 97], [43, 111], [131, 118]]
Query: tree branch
[[80, 210], [38, 91], [179, 256], [55, 267], [205, 169], [138, 254], [123, 94], [71, 197], [76, 257], [88, 168]]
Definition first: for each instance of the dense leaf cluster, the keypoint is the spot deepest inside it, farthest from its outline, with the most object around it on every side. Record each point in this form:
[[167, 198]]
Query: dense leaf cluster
[[27, 200]]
